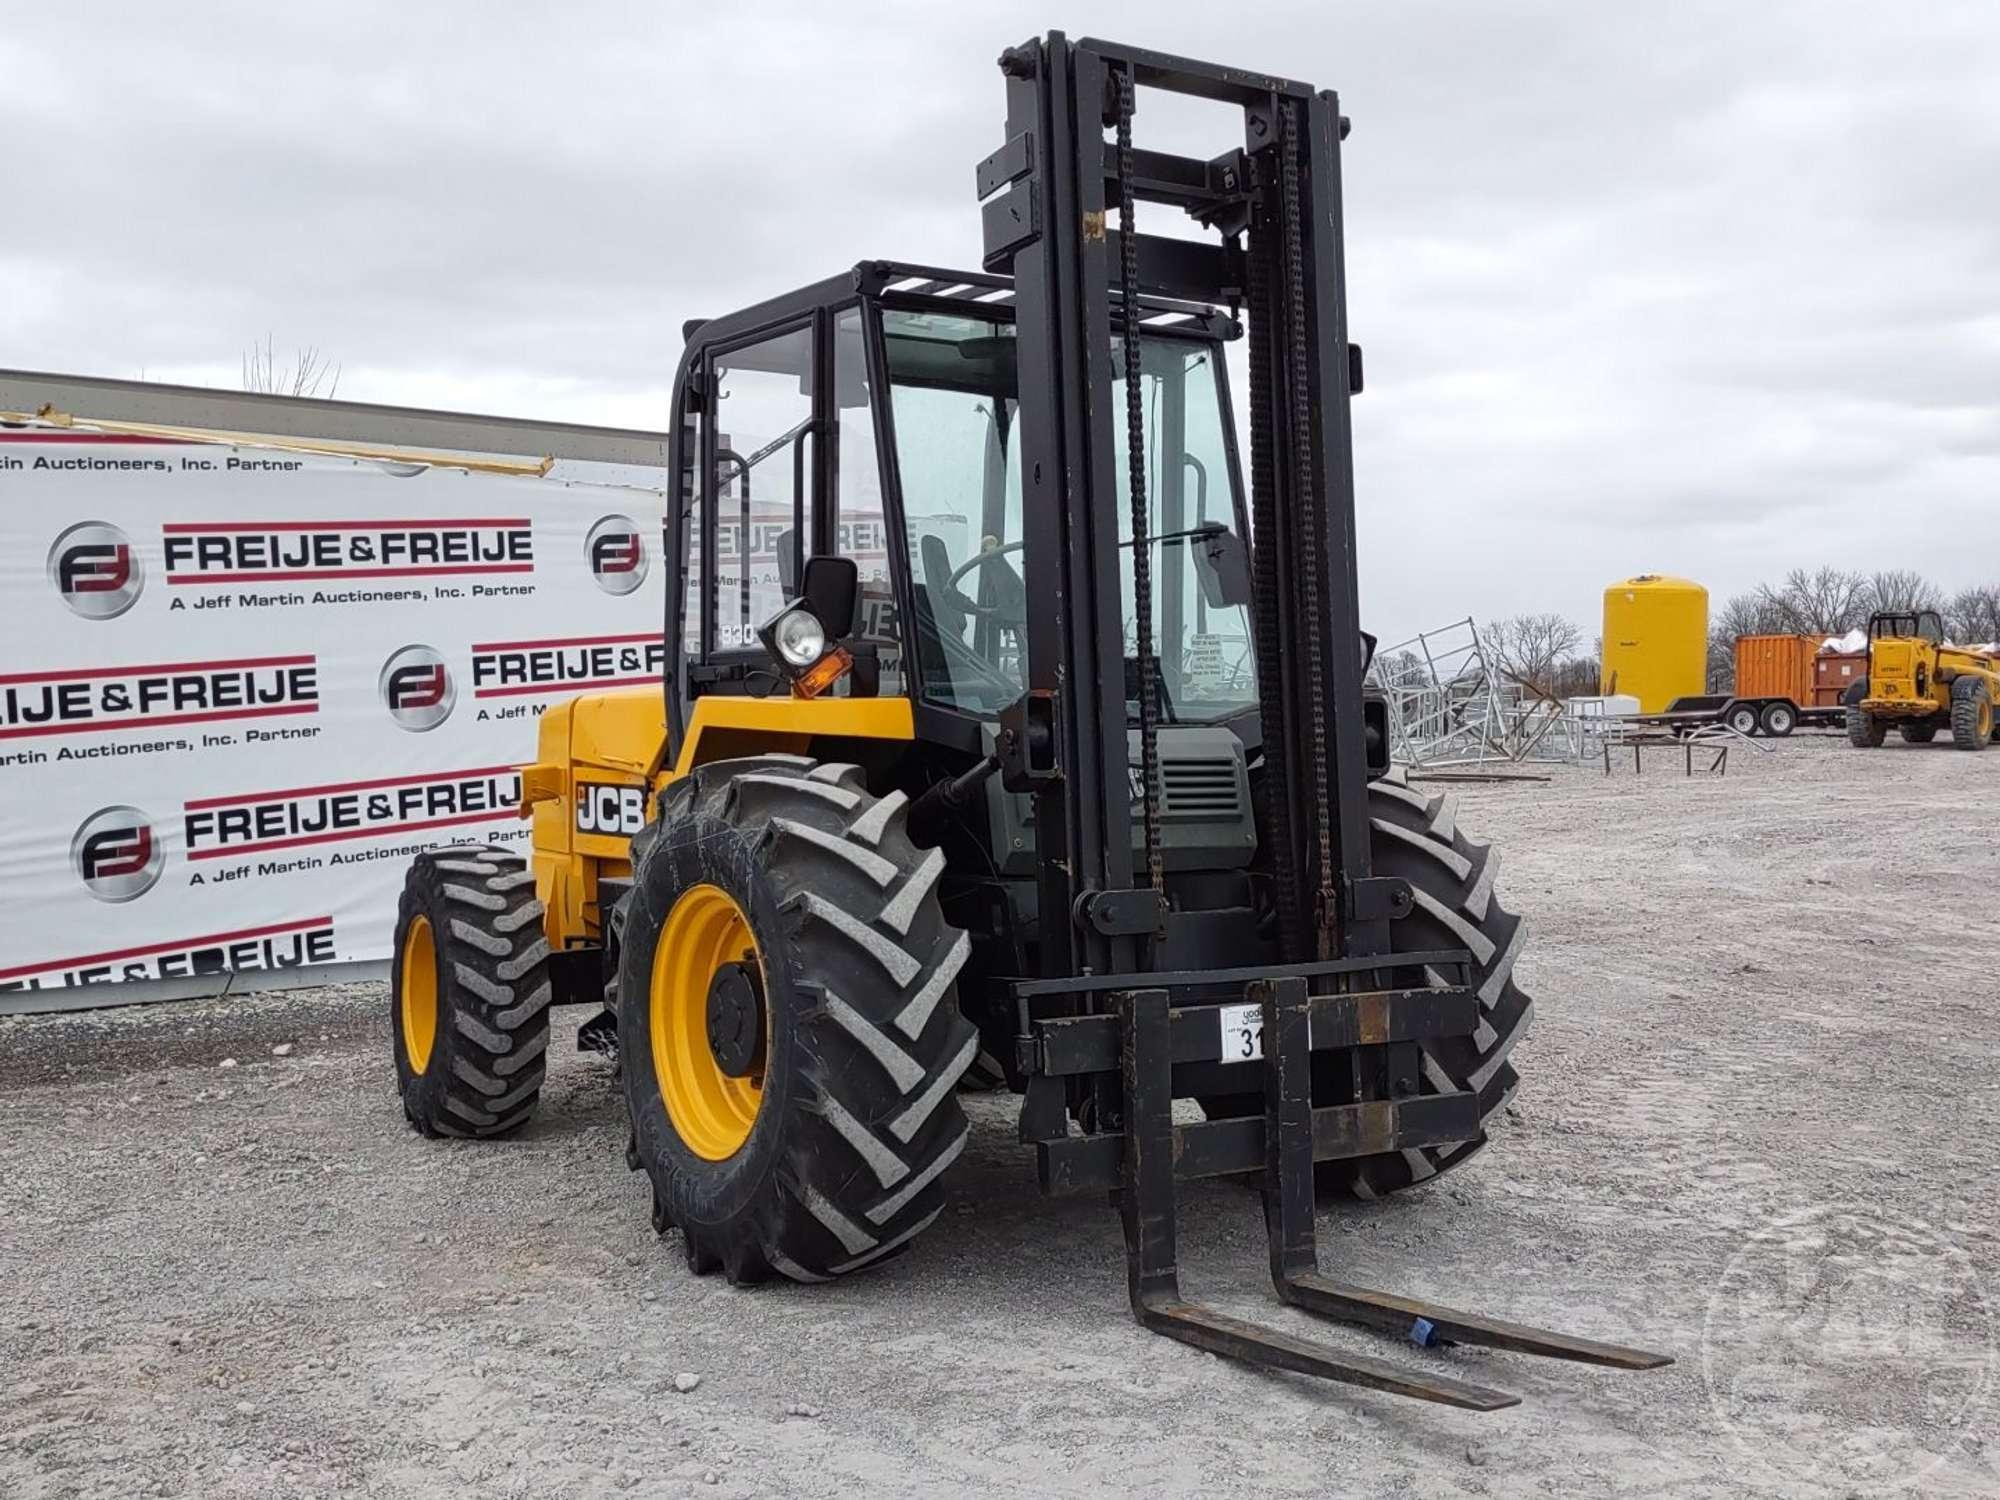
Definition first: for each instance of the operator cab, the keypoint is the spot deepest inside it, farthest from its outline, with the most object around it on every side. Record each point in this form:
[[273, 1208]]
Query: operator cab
[[1920, 624], [874, 416]]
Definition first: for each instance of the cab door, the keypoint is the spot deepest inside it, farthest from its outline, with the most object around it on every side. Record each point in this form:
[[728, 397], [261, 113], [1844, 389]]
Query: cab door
[[762, 492]]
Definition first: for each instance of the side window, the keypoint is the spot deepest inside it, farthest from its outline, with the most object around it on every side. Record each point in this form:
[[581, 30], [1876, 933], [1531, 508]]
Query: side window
[[762, 485], [861, 531]]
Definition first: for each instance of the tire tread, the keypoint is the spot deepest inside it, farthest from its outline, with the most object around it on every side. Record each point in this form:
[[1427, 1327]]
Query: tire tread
[[489, 1059]]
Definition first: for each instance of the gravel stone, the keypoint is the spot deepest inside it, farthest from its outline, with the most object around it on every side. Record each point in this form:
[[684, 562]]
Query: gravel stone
[[1674, 1107]]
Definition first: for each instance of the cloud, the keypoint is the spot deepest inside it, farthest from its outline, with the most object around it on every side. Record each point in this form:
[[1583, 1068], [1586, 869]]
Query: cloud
[[1706, 289]]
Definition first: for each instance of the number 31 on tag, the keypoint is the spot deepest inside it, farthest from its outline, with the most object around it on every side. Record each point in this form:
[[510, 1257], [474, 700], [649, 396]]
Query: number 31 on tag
[[1242, 1033]]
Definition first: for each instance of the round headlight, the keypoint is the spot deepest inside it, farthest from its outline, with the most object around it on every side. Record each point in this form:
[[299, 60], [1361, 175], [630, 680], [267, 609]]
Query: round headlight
[[799, 637]]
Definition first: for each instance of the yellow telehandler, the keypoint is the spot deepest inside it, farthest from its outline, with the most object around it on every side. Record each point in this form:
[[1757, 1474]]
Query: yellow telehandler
[[1920, 685]]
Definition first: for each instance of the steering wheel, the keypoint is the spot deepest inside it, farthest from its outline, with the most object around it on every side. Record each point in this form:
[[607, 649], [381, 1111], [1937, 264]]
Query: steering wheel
[[1012, 608]]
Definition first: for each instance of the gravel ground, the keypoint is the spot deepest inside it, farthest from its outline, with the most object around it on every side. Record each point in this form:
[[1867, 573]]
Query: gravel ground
[[1755, 1129]]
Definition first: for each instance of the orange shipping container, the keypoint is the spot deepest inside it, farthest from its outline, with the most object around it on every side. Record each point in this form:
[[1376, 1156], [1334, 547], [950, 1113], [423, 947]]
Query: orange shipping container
[[1776, 666]]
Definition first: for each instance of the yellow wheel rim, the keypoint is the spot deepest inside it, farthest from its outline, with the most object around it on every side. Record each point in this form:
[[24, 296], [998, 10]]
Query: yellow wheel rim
[[711, 1111], [420, 993]]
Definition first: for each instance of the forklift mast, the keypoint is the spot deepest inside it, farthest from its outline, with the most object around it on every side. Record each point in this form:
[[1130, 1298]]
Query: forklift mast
[[1060, 201]]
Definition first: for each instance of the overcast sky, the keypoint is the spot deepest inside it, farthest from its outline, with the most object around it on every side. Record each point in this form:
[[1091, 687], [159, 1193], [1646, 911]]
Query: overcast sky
[[1710, 289]]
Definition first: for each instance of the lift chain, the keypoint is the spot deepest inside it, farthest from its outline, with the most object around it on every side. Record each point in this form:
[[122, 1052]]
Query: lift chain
[[1135, 441], [1307, 510], [1275, 827]]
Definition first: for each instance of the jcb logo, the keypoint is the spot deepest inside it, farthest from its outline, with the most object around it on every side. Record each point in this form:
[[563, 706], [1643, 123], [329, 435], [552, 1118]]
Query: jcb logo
[[617, 554], [619, 811], [417, 688], [95, 570], [116, 855]]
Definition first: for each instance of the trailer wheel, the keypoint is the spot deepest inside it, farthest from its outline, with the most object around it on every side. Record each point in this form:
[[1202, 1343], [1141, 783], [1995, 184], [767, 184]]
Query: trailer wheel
[[788, 1021], [1418, 839], [1779, 719], [1918, 732], [1865, 731], [1971, 713], [1742, 717]]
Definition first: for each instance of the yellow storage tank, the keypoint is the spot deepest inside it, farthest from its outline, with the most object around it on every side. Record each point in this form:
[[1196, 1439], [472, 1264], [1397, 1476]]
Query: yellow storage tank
[[1655, 640]]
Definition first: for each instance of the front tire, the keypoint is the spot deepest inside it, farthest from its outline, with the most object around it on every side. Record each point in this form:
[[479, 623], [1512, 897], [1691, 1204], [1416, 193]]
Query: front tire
[[1452, 878], [1865, 731], [849, 1119], [469, 993], [1742, 717], [1971, 713]]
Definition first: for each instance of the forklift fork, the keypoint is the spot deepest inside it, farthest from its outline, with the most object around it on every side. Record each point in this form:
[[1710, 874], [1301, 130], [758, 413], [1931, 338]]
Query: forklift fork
[[1148, 1210]]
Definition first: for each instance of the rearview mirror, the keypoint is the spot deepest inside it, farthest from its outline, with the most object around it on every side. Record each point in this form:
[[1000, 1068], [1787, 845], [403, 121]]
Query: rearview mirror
[[1222, 567], [832, 591]]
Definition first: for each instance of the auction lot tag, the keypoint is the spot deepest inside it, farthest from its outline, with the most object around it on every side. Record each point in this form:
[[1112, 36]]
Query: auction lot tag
[[1242, 1032]]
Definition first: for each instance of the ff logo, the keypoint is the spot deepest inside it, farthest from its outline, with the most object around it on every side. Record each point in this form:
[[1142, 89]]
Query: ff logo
[[115, 854], [617, 555], [95, 570], [417, 689]]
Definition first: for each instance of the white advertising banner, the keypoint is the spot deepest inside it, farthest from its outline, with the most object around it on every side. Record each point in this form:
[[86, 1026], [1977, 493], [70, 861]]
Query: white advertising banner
[[241, 687]]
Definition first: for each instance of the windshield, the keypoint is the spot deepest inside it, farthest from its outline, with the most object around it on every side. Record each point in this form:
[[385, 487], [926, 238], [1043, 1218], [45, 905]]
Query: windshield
[[953, 385], [1925, 625]]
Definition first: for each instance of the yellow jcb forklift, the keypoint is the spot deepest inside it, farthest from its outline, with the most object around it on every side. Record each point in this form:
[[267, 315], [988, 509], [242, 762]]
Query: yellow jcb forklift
[[1004, 715]]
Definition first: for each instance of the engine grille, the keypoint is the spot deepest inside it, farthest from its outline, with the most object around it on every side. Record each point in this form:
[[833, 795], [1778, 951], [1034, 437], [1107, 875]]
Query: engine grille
[[1204, 788]]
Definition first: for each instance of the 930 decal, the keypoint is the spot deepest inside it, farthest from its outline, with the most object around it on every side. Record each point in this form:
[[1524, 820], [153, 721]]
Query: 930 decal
[[618, 811]]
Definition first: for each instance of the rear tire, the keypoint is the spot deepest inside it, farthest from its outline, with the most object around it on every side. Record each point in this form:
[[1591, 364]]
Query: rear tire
[[1452, 878], [1864, 730], [1778, 719], [1918, 733], [469, 992], [1971, 713], [856, 1118]]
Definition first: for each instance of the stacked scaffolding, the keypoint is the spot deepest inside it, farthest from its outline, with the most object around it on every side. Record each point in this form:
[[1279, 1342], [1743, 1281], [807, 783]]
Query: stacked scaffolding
[[1451, 705]]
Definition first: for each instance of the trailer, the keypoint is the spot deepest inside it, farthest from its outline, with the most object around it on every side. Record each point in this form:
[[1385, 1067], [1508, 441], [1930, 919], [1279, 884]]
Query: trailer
[[1782, 683]]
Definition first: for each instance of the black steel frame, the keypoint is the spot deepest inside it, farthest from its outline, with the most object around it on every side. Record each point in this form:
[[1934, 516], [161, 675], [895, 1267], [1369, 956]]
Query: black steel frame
[[870, 286]]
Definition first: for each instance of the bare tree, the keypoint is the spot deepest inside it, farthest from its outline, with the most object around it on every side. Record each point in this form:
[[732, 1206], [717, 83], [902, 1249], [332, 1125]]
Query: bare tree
[[1532, 647], [1826, 601], [1902, 589], [1973, 616], [310, 369], [1576, 677]]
